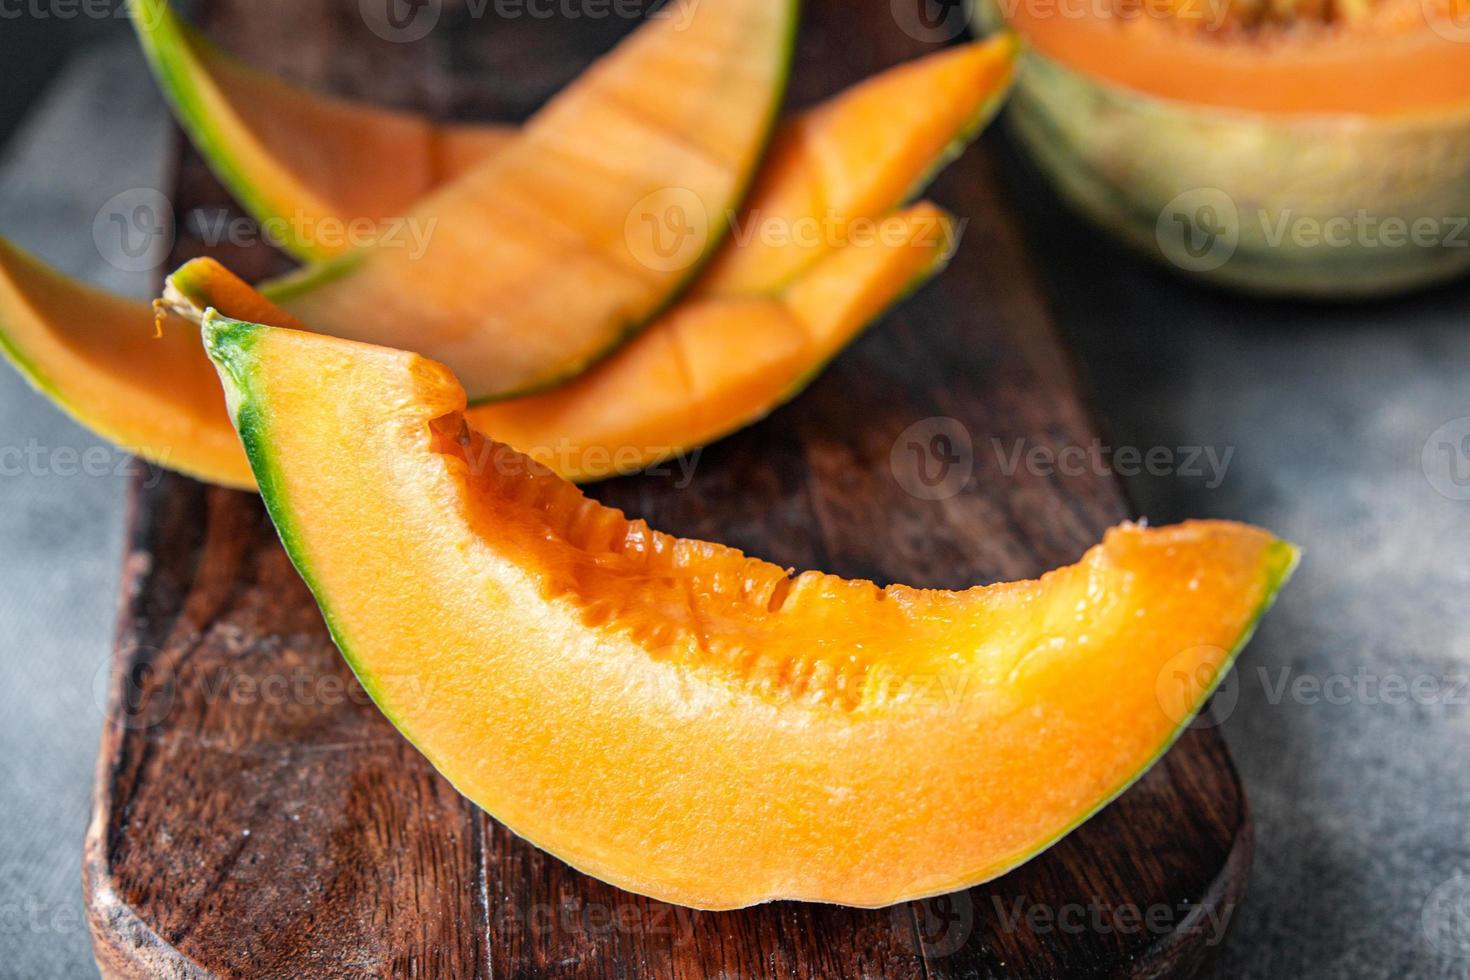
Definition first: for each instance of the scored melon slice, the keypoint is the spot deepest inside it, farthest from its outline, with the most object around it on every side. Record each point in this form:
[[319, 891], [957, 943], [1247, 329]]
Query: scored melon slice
[[708, 367], [691, 724], [541, 259], [285, 150], [303, 164], [582, 435]]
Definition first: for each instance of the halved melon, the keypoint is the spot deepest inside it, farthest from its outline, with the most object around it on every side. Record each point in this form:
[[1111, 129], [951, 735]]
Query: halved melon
[[635, 407], [689, 723], [1318, 149], [543, 258], [303, 164]]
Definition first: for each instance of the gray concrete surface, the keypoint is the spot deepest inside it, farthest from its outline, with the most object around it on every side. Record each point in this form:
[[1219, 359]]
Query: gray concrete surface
[[98, 131], [1361, 791]]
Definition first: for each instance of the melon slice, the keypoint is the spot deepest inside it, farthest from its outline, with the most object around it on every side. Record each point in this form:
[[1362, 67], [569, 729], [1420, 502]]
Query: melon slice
[[304, 165], [541, 260], [689, 723], [99, 357], [544, 257], [625, 412], [708, 367]]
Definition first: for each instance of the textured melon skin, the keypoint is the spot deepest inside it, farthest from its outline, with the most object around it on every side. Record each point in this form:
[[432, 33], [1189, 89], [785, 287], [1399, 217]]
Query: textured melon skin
[[586, 696], [1121, 157]]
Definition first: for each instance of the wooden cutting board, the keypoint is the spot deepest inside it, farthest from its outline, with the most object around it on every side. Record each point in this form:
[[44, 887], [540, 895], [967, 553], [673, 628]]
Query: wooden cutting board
[[255, 816]]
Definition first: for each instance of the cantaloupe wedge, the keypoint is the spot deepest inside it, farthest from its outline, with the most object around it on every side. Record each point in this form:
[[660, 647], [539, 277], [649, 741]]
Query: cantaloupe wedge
[[689, 723], [708, 367], [575, 430], [533, 264], [284, 150], [303, 164]]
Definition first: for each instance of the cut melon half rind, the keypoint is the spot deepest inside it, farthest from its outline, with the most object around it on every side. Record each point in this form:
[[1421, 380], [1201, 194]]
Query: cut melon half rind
[[688, 723]]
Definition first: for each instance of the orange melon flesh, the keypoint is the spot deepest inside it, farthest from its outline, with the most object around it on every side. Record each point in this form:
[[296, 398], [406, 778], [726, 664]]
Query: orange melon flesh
[[706, 368], [533, 264], [633, 408], [306, 162], [1403, 67], [856, 157], [714, 365], [98, 357], [689, 723]]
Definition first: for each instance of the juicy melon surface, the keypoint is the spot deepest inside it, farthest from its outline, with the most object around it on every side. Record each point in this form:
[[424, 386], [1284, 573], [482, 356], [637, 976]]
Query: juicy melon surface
[[693, 724]]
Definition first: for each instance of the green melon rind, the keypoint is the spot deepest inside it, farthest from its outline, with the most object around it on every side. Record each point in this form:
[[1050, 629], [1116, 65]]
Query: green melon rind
[[229, 344], [171, 46], [1120, 157]]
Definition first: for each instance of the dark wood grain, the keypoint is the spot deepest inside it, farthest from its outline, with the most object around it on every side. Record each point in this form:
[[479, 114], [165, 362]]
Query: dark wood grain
[[255, 816]]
